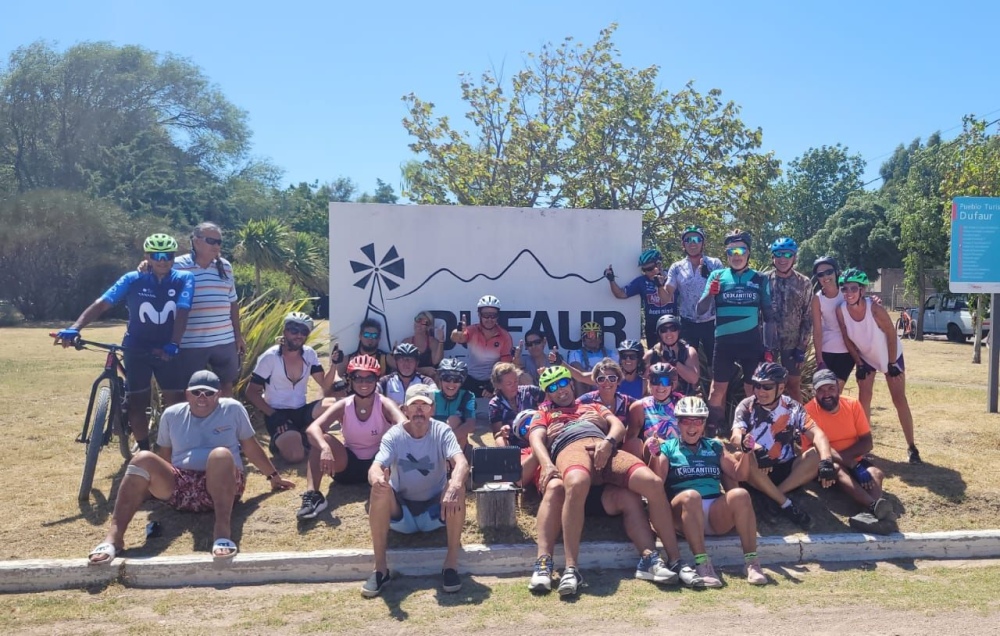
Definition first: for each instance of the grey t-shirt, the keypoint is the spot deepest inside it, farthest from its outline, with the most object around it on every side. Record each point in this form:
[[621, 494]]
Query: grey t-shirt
[[191, 438], [419, 466]]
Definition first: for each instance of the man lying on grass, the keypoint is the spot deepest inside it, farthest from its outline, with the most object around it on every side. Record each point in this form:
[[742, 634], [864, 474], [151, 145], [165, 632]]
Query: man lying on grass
[[198, 467]]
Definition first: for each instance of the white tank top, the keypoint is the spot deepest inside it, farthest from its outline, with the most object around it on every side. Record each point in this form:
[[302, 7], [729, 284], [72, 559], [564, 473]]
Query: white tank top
[[869, 338], [833, 339]]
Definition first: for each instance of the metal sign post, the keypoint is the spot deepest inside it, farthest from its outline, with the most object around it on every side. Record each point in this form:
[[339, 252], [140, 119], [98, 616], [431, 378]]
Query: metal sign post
[[975, 233]]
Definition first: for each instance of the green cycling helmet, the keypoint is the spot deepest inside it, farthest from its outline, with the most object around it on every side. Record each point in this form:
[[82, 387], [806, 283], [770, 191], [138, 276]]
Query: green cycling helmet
[[854, 275], [551, 375], [159, 243], [693, 229]]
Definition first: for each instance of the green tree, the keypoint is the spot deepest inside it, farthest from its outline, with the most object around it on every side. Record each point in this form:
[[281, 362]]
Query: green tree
[[264, 243], [307, 264], [815, 186], [577, 128], [383, 194]]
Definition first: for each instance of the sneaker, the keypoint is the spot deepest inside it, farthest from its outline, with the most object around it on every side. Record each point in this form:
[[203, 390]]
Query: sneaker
[[450, 581], [881, 508], [569, 581], [652, 568], [313, 503], [375, 584], [708, 575], [687, 574], [541, 578], [913, 455], [755, 575], [797, 516]]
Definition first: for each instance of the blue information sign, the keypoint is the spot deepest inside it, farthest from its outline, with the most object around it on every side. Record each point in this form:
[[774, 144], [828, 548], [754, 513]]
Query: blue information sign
[[975, 239]]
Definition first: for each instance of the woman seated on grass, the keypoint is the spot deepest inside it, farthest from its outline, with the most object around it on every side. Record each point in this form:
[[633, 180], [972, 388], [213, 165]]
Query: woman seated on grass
[[695, 467]]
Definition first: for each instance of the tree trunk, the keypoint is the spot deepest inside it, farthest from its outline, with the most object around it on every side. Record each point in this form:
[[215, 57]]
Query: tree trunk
[[921, 299]]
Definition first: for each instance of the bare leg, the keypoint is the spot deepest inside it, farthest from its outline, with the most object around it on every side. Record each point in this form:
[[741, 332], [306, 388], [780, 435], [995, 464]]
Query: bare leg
[[760, 480], [577, 483], [866, 389], [735, 509], [804, 469], [133, 491], [138, 420], [688, 512], [290, 446], [454, 523], [897, 389], [644, 482], [793, 388], [549, 519], [620, 501], [220, 480], [382, 508]]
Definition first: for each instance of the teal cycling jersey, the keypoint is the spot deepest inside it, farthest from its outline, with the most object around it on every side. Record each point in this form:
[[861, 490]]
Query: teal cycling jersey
[[742, 298]]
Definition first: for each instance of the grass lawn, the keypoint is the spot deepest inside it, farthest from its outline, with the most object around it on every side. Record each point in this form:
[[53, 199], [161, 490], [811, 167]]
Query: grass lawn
[[44, 399]]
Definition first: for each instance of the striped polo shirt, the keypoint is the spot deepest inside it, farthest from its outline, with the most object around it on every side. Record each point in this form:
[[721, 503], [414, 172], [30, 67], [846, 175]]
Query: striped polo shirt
[[209, 323]]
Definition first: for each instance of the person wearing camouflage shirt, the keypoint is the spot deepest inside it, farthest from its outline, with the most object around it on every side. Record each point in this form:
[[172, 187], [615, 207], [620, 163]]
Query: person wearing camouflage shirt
[[791, 296]]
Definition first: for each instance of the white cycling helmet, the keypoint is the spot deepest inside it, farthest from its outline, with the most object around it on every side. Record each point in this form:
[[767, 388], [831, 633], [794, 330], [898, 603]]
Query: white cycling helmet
[[488, 301], [299, 318], [691, 406]]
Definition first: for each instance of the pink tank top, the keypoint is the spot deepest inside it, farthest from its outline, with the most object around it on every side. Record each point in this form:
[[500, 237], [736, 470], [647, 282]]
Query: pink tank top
[[363, 438]]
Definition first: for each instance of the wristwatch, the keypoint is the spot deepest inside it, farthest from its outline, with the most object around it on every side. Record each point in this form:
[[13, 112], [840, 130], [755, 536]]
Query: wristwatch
[[611, 438]]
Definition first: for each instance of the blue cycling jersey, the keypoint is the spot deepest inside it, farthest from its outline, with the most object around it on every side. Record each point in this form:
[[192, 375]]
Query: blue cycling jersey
[[152, 306]]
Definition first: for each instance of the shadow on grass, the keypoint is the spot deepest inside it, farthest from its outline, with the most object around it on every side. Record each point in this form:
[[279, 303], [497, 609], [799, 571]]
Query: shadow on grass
[[337, 496], [942, 481], [96, 510]]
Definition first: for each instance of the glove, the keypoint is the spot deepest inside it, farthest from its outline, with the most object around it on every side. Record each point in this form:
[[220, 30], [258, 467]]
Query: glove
[[864, 369], [653, 446], [763, 459], [768, 355], [797, 355], [609, 273], [714, 287], [861, 474], [894, 370], [748, 442], [68, 335], [827, 471], [336, 355], [171, 349]]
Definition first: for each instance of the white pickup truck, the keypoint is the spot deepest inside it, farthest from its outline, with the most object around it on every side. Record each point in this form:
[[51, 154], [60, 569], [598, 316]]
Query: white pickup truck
[[948, 314]]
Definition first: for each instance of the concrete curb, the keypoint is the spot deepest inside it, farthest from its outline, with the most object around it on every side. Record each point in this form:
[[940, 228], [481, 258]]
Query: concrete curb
[[355, 565]]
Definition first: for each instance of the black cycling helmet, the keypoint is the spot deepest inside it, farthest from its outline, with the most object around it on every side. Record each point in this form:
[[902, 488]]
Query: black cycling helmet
[[631, 345], [826, 260], [406, 350], [668, 319], [662, 370], [738, 236], [453, 365], [770, 372]]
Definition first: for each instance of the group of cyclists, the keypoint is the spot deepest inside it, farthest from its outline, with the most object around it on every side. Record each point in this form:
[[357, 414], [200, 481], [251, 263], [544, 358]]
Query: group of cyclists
[[621, 430]]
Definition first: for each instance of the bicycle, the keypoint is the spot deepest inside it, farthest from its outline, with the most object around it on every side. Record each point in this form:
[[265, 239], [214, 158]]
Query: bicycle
[[107, 411], [906, 326]]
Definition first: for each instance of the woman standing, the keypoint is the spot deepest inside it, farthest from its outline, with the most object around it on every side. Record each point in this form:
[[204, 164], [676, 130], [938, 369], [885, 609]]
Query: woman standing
[[429, 344], [831, 351]]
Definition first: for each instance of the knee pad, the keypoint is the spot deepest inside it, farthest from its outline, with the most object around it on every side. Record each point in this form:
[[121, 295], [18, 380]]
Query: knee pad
[[138, 471]]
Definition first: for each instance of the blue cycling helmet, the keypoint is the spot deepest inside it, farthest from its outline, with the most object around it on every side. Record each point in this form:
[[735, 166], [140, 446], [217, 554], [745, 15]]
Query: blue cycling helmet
[[784, 243], [650, 256]]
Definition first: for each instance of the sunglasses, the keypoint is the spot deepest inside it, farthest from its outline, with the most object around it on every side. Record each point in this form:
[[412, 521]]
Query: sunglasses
[[489, 316], [210, 240], [736, 251], [693, 239], [825, 273], [371, 335], [628, 356], [668, 329], [161, 256], [367, 378], [783, 254], [296, 329], [450, 377], [690, 420], [420, 320], [663, 380], [763, 387], [203, 393], [533, 343], [649, 268], [558, 384], [850, 289], [607, 379]]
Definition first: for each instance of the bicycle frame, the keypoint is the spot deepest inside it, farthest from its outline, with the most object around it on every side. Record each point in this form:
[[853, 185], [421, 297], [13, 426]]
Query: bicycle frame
[[114, 371]]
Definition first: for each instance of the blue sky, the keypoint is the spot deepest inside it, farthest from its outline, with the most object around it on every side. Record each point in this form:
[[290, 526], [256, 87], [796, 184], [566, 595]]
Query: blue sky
[[322, 81]]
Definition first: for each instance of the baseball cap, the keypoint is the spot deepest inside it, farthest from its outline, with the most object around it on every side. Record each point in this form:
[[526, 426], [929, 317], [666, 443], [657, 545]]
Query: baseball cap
[[204, 380], [824, 377], [419, 393]]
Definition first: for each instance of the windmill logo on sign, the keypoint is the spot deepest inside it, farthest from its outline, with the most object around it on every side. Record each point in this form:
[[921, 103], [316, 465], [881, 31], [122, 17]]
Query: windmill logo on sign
[[379, 273]]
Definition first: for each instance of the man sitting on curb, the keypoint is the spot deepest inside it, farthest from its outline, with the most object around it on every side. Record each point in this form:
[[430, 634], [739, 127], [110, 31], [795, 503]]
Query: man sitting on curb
[[844, 422], [411, 491], [198, 467]]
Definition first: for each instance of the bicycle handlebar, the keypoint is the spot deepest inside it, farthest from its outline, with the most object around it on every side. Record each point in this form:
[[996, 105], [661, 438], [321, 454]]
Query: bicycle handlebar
[[79, 344]]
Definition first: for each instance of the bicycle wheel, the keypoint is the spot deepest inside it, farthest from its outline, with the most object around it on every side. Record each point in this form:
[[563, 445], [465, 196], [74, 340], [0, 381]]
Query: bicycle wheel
[[98, 426], [121, 427]]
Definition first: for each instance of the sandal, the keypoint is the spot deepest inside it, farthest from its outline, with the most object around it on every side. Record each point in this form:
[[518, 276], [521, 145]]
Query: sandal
[[224, 549], [103, 549]]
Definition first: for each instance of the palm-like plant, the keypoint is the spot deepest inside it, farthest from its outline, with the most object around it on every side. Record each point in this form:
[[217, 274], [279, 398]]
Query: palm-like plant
[[306, 264], [264, 244]]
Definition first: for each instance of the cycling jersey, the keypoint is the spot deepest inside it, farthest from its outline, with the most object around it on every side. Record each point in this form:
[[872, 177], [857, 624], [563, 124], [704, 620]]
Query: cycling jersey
[[658, 417], [152, 306], [463, 405], [662, 353], [699, 469], [634, 388], [392, 387], [587, 359], [742, 298], [774, 430], [649, 296], [792, 300], [280, 392], [485, 351], [622, 402], [503, 412], [688, 283]]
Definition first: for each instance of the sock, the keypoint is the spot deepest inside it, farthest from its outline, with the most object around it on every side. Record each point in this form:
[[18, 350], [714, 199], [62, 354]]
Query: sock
[[749, 556], [143, 444], [700, 559], [787, 503]]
